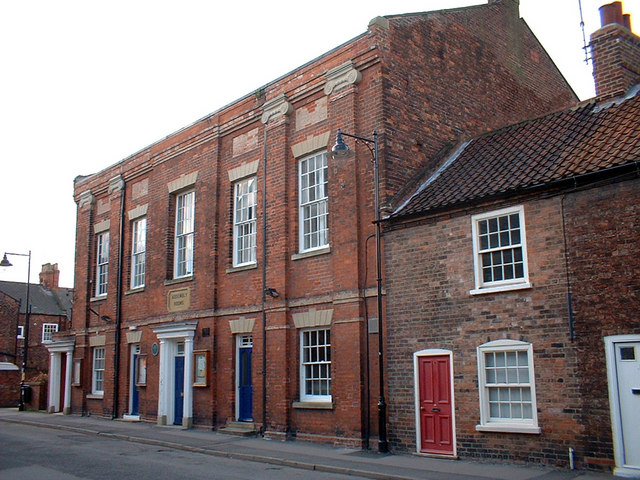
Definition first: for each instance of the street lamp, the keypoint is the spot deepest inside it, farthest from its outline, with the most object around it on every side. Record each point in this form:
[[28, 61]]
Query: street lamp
[[340, 149], [6, 263]]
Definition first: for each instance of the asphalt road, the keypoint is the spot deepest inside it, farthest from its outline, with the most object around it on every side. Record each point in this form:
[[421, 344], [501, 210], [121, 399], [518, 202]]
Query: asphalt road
[[34, 453]]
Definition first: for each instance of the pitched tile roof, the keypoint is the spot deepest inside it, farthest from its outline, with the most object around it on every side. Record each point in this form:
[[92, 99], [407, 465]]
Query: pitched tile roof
[[43, 301], [586, 139]]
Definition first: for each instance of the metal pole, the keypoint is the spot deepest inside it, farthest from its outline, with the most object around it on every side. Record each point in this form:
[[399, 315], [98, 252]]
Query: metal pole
[[340, 149], [25, 349]]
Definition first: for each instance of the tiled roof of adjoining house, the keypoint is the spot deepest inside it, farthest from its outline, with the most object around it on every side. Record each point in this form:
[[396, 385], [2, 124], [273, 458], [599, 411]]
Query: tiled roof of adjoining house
[[586, 139], [43, 301]]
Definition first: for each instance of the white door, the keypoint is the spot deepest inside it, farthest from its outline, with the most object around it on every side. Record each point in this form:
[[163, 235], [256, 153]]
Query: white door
[[624, 391]]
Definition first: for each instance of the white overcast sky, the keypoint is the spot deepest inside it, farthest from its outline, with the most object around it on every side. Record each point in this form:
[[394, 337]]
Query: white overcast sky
[[84, 84]]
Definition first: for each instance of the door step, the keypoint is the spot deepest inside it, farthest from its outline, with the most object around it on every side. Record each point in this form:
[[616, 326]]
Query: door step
[[243, 429]]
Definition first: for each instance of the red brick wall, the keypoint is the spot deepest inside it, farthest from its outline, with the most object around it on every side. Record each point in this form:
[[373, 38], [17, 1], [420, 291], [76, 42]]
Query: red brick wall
[[337, 280], [8, 328], [454, 74], [429, 275], [9, 388], [603, 231]]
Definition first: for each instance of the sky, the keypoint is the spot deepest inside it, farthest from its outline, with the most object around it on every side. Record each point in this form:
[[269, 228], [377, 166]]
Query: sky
[[84, 84]]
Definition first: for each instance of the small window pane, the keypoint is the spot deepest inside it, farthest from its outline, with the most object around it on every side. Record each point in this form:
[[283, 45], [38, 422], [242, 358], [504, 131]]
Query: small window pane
[[627, 353]]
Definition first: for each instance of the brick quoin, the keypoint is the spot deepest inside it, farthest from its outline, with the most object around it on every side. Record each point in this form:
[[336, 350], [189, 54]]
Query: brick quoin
[[415, 80]]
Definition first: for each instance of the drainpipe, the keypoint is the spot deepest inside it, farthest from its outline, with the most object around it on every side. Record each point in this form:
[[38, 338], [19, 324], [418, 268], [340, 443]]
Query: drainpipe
[[116, 359], [264, 281], [568, 273]]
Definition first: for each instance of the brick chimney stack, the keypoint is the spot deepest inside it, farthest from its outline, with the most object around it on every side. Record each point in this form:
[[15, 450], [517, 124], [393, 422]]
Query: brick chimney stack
[[49, 276], [615, 51]]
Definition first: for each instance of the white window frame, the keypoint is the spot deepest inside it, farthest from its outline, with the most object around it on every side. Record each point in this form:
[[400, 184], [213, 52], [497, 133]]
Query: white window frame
[[244, 222], [97, 371], [313, 201], [102, 264], [314, 362], [20, 332], [184, 234], [138, 252], [494, 424], [482, 286], [48, 329]]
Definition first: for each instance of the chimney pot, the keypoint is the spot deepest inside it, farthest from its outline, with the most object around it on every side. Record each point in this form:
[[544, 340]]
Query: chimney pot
[[611, 13]]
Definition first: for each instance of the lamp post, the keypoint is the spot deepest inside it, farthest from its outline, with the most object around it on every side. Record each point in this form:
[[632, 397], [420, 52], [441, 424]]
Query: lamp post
[[6, 263], [340, 149]]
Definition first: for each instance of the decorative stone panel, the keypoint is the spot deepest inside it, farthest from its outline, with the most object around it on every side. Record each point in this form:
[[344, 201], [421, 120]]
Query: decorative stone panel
[[313, 318], [86, 198], [342, 76], [311, 114], [139, 211], [276, 108], [244, 170], [140, 189], [98, 341], [116, 184], [242, 325], [245, 143], [134, 336], [183, 182], [311, 144], [102, 226]]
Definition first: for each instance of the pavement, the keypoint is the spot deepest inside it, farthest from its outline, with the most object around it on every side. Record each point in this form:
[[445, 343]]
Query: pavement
[[294, 453]]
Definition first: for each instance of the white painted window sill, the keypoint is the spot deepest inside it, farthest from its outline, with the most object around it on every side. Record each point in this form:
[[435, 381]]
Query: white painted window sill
[[135, 290], [95, 396], [501, 288], [173, 281], [311, 253], [509, 428], [314, 405], [242, 268]]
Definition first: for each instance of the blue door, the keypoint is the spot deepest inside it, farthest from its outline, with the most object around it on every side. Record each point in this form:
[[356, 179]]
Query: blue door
[[245, 389], [179, 391], [135, 401]]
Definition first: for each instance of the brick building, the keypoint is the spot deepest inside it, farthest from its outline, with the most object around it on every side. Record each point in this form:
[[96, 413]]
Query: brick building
[[513, 285], [224, 273], [50, 313]]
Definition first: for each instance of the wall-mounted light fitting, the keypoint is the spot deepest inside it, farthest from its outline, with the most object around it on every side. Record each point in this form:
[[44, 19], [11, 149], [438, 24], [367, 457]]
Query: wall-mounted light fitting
[[104, 318], [272, 292]]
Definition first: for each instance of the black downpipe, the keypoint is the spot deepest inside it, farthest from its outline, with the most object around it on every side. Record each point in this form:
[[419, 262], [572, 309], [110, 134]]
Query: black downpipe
[[116, 359], [264, 282], [568, 273]]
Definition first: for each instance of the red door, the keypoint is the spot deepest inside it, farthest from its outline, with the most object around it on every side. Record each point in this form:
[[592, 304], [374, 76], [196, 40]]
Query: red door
[[436, 420]]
